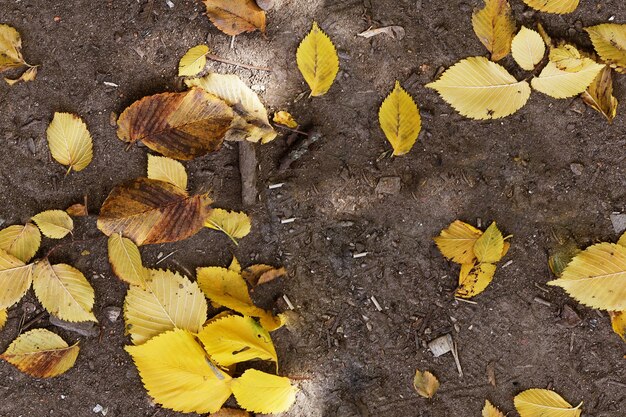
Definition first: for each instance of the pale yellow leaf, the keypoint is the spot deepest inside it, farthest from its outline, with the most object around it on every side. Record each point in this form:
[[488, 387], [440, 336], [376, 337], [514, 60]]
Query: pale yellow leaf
[[55, 224], [457, 242], [528, 48], [260, 392], [609, 41], [125, 261], [236, 339], [567, 58], [286, 119], [169, 301], [21, 241], [425, 383], [474, 279], [596, 277], [168, 170], [490, 246], [69, 141], [495, 26], [235, 225], [537, 402], [15, 279], [400, 120], [318, 61], [489, 410], [10, 48], [618, 323], [599, 95], [235, 265], [41, 353], [178, 375], [622, 240], [29, 75], [64, 291], [480, 89], [563, 84], [544, 35], [3, 317], [553, 6], [193, 62]]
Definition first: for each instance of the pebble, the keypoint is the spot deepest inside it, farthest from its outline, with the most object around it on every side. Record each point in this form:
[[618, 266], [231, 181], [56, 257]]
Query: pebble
[[112, 313], [577, 168], [619, 222], [265, 4], [389, 185], [29, 308]]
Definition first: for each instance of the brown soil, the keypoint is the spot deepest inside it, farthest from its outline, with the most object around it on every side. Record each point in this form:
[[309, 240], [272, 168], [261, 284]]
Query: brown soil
[[349, 358]]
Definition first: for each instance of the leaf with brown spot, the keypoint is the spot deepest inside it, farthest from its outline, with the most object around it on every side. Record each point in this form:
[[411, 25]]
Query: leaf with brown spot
[[425, 383], [177, 125], [618, 323], [41, 353], [599, 95], [262, 274], [235, 16], [151, 211]]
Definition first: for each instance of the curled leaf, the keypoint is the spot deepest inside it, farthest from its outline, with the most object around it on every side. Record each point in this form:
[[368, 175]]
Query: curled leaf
[[235, 225], [286, 119], [10, 48], [260, 392], [234, 17], [69, 141], [29, 75], [400, 120], [425, 383], [394, 32], [77, 210], [55, 224], [618, 323], [21, 241], [494, 25], [599, 95], [168, 170], [261, 274], [193, 62], [318, 61]]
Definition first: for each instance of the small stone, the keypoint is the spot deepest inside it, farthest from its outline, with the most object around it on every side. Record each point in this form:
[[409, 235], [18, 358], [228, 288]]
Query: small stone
[[29, 308], [86, 328], [389, 185], [571, 127], [112, 313], [619, 222], [265, 4], [577, 168], [464, 7]]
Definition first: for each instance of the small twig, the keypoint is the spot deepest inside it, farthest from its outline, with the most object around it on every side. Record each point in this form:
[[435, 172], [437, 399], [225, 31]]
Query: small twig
[[290, 129], [165, 257], [455, 354], [465, 301], [31, 322], [238, 64]]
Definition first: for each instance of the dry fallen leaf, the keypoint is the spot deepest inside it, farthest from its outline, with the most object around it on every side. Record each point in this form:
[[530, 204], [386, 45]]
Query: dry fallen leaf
[[125, 261], [567, 58], [69, 141], [537, 402], [457, 242], [400, 120], [152, 211], [55, 224], [474, 279], [177, 125], [168, 170], [609, 41], [395, 32], [318, 61], [618, 323], [260, 392], [553, 6], [3, 317], [235, 225], [15, 279], [193, 62], [10, 48], [528, 48], [235, 16], [561, 256], [21, 241], [261, 274], [599, 95], [558, 83], [29, 75], [489, 247], [41, 353], [489, 410], [495, 26], [77, 210], [425, 383], [285, 119]]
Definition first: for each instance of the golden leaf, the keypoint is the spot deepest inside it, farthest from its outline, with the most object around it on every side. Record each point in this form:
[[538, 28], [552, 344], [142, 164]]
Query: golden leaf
[[177, 125], [609, 41], [21, 241], [599, 95], [64, 291], [480, 89], [262, 274], [318, 61], [489, 410], [125, 261], [234, 265], [260, 392], [494, 25], [567, 58], [236, 339], [553, 6], [41, 353], [474, 279], [55, 224], [618, 323], [168, 301], [252, 123], [235, 225], [490, 246], [69, 141], [563, 84], [596, 277], [152, 211], [235, 16], [15, 279], [457, 242], [622, 240], [400, 120], [285, 119], [77, 210], [528, 48], [168, 170], [3, 317], [193, 62], [544, 35], [10, 48], [178, 375], [425, 383], [29, 75], [537, 402]]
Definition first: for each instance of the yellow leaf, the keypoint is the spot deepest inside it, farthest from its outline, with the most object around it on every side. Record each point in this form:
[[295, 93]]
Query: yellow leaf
[[528, 48], [480, 89], [3, 317], [457, 242], [10, 48], [553, 6], [28, 75], [178, 375], [425, 383], [618, 322], [596, 277], [400, 120], [318, 61], [609, 41], [15, 279], [544, 35], [168, 170], [41, 353], [537, 402], [490, 411], [252, 123], [261, 274], [494, 25], [193, 62], [64, 291], [260, 392], [55, 224], [599, 95], [474, 279], [490, 246], [125, 261], [234, 17], [235, 225], [285, 119], [563, 84], [169, 301], [622, 240], [235, 266], [236, 339], [69, 141], [21, 241], [567, 58]]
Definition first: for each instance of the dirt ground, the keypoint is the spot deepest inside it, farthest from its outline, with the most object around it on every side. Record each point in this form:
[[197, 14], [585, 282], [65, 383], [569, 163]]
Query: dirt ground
[[348, 358]]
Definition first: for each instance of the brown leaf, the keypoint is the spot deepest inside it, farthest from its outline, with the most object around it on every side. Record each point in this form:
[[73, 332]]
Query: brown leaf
[[178, 125], [599, 95], [235, 16], [491, 373], [425, 383], [262, 274], [77, 210], [152, 211]]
